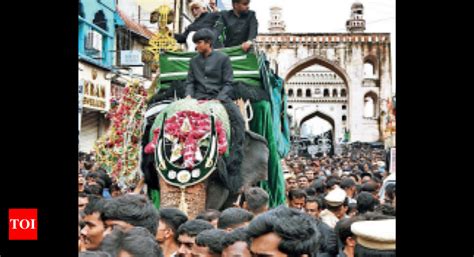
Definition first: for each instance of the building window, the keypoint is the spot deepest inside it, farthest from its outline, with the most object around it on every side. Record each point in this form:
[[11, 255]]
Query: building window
[[334, 93], [344, 117], [343, 93], [344, 107], [290, 93], [100, 20], [326, 92], [308, 92], [370, 105], [369, 71], [299, 92]]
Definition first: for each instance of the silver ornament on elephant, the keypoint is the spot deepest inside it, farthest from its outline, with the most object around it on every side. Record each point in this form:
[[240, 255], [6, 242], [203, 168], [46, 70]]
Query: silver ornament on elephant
[[196, 173], [172, 174], [184, 176]]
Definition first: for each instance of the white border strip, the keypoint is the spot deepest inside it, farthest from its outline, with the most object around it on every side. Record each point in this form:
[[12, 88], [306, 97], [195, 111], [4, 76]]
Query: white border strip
[[233, 58], [244, 72]]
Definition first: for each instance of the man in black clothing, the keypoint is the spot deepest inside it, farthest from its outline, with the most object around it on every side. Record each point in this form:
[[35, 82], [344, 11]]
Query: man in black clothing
[[210, 72], [202, 19], [239, 25], [210, 77]]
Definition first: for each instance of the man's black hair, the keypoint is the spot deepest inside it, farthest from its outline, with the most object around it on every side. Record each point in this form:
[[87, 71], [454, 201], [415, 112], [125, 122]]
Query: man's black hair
[[94, 189], [365, 202], [331, 182], [100, 182], [193, 227], [204, 34], [319, 186], [361, 251], [94, 254], [354, 176], [343, 228], [208, 215], [237, 1], [133, 209], [173, 218], [233, 217], [390, 191], [368, 187], [236, 235], [137, 241], [105, 177], [310, 192], [96, 204], [313, 199], [385, 209], [347, 183], [298, 231], [211, 238], [301, 175], [256, 198], [296, 193]]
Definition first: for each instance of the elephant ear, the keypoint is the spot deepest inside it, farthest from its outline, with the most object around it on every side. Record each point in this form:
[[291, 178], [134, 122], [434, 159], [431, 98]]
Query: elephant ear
[[255, 161]]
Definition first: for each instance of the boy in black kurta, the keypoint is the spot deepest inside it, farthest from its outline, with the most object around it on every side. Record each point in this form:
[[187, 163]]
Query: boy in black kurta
[[210, 77]]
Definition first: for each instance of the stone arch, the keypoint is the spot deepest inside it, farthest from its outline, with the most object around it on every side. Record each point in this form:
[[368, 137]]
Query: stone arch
[[317, 60], [372, 61], [326, 92], [100, 20], [323, 116], [370, 109], [299, 92]]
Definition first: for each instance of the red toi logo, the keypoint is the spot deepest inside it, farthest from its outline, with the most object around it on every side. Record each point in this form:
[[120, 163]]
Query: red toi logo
[[23, 224]]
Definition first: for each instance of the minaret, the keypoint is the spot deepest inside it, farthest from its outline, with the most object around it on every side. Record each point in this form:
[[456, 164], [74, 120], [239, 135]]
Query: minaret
[[356, 24], [276, 24]]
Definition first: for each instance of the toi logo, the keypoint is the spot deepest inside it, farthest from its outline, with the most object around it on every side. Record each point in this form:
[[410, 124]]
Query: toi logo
[[23, 224]]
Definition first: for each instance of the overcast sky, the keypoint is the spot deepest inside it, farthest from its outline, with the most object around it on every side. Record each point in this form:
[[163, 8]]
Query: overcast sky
[[326, 15], [312, 15]]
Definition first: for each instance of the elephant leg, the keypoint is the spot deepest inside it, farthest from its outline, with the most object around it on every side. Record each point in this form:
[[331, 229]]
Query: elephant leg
[[217, 194]]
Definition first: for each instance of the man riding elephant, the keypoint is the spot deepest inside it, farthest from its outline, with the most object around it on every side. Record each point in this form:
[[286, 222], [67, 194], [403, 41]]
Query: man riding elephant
[[210, 77]]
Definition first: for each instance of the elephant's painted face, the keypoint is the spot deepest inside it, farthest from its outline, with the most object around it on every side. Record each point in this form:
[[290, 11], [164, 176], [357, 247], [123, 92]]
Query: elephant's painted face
[[185, 132]]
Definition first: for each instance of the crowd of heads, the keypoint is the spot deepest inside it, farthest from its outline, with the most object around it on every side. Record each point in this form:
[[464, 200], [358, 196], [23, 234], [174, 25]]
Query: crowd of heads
[[334, 207]]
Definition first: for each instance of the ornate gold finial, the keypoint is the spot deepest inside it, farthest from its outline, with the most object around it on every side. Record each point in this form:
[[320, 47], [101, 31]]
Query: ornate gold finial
[[164, 39]]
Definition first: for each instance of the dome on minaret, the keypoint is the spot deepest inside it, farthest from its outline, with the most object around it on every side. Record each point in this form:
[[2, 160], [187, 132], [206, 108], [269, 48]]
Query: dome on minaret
[[357, 5], [356, 23], [276, 24]]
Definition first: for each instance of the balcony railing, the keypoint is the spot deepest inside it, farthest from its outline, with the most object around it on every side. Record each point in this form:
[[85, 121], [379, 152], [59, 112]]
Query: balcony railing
[[317, 100]]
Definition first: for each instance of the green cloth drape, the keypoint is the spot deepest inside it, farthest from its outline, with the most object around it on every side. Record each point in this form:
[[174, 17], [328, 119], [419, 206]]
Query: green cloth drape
[[262, 124]]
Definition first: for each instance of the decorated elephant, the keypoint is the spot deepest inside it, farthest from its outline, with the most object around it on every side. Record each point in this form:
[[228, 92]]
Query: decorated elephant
[[184, 147], [265, 143]]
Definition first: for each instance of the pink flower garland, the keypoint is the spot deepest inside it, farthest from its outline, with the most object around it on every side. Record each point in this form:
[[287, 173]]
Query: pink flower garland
[[200, 125]]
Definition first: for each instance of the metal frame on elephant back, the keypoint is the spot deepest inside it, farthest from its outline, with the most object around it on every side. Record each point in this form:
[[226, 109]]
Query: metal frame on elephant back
[[253, 81]]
